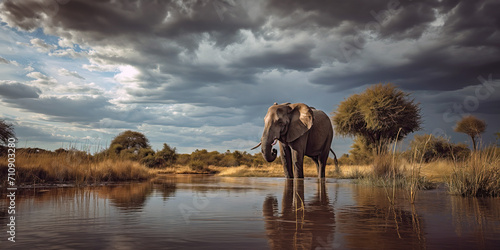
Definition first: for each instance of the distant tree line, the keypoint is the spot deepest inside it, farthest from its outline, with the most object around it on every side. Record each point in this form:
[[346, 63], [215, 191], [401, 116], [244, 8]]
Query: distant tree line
[[375, 118]]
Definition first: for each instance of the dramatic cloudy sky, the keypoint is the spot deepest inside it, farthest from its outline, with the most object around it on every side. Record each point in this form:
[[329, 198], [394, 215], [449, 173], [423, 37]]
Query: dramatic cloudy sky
[[201, 74]]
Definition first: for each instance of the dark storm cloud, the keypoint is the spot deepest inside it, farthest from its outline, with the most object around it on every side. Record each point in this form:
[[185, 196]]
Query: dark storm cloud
[[474, 23], [294, 58], [326, 13], [35, 132], [162, 31], [392, 18], [408, 20], [102, 20], [249, 54], [16, 90], [81, 109]]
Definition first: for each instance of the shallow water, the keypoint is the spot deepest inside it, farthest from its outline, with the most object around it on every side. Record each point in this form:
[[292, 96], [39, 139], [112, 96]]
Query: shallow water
[[207, 212]]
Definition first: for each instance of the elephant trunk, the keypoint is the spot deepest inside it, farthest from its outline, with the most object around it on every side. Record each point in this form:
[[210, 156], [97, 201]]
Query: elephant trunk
[[268, 151]]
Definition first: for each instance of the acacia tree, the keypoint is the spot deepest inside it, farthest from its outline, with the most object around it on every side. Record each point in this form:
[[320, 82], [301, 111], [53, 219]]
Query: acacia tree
[[6, 132], [379, 115], [130, 142], [471, 126]]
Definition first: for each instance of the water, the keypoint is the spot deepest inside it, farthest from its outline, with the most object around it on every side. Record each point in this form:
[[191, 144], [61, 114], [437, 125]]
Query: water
[[207, 212]]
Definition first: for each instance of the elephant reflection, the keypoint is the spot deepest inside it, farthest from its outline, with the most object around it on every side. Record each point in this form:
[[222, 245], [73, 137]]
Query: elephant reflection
[[299, 225]]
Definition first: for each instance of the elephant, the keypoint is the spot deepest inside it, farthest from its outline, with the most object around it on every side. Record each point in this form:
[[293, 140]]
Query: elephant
[[301, 130]]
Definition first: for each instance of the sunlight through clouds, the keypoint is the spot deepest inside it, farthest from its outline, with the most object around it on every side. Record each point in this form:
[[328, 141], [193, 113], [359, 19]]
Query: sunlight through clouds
[[179, 69]]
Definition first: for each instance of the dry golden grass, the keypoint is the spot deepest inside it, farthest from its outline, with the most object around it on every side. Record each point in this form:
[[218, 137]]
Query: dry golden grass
[[479, 175], [66, 167], [268, 170], [437, 171]]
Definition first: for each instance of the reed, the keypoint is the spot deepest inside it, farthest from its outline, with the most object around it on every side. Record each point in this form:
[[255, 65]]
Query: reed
[[477, 176], [392, 172]]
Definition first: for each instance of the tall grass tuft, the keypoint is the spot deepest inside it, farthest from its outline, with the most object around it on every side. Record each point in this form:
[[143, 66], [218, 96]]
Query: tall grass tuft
[[477, 176], [391, 170]]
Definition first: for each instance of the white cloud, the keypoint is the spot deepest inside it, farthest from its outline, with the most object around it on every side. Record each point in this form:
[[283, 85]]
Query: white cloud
[[65, 72], [71, 53], [41, 45], [65, 43], [41, 79]]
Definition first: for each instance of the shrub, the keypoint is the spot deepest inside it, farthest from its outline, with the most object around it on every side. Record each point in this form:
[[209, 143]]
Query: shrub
[[197, 165], [167, 156], [428, 148], [344, 160]]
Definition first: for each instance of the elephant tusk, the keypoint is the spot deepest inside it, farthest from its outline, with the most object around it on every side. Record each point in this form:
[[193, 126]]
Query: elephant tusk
[[274, 142], [256, 146]]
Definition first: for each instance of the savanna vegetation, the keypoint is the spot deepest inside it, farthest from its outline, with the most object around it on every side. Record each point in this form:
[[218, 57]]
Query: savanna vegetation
[[378, 120], [382, 115]]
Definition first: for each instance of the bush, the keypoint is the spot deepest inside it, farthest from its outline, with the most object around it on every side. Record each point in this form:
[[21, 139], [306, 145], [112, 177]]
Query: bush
[[183, 159], [427, 148], [167, 156], [197, 165], [344, 160]]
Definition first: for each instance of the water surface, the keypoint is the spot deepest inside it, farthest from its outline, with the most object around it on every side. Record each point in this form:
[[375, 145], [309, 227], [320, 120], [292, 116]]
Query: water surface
[[208, 212]]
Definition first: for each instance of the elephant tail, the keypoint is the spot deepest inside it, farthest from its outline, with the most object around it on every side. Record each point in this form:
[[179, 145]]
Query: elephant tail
[[337, 169]]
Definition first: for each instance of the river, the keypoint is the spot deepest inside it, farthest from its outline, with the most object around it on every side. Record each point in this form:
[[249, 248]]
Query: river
[[210, 212]]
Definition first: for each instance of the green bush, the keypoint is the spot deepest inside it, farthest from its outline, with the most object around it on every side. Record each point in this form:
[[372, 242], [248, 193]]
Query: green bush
[[427, 148], [167, 156], [197, 165]]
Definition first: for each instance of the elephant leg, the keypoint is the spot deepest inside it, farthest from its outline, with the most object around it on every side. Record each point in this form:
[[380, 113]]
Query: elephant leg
[[286, 159], [298, 163], [323, 158], [315, 159]]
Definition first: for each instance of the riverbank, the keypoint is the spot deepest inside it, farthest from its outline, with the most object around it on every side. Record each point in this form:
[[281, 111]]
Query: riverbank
[[70, 169], [435, 171], [479, 175]]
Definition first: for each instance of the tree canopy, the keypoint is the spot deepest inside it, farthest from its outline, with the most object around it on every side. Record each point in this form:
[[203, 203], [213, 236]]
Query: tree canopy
[[130, 140], [471, 126], [379, 115], [6, 132]]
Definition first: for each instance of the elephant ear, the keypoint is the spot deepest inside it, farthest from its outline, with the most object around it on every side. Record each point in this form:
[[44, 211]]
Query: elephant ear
[[301, 120]]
